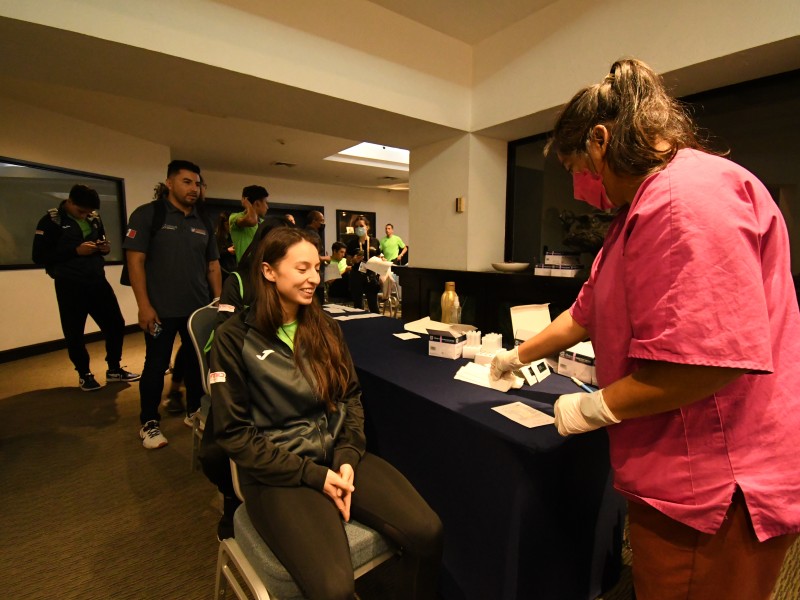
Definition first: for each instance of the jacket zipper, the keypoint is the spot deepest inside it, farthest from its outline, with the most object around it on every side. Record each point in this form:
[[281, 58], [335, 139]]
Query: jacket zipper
[[321, 442]]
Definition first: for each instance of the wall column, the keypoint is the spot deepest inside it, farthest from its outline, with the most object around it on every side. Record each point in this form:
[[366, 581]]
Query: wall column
[[469, 166]]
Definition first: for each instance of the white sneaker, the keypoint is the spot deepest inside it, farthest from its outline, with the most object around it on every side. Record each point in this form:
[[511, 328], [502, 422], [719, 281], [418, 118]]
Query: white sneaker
[[188, 420], [151, 435]]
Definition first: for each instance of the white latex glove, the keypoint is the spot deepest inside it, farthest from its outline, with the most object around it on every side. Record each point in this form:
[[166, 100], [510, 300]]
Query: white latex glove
[[582, 412], [503, 362]]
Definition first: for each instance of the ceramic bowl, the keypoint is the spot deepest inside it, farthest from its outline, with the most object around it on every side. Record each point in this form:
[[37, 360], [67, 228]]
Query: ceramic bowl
[[510, 267]]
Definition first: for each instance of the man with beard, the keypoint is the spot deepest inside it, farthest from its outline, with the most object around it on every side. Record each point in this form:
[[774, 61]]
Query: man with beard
[[174, 270]]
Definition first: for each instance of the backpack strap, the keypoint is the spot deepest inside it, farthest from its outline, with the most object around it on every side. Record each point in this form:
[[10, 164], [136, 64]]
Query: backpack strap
[[55, 216]]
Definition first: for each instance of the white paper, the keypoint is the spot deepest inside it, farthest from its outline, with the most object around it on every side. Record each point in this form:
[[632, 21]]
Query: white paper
[[379, 266], [368, 315], [422, 326], [331, 272], [340, 308], [524, 415], [406, 336], [479, 375]]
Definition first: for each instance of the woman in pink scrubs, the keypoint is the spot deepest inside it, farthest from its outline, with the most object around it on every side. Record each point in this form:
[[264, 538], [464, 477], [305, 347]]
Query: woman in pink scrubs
[[693, 316]]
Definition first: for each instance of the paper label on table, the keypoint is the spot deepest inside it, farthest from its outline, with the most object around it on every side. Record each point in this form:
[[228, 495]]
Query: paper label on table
[[406, 336], [524, 415]]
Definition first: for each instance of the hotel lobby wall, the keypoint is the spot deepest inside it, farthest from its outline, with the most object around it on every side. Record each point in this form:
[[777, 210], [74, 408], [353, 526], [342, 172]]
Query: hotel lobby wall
[[28, 304], [28, 309]]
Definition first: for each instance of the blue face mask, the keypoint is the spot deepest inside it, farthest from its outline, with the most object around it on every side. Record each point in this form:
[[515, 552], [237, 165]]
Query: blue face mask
[[361, 231]]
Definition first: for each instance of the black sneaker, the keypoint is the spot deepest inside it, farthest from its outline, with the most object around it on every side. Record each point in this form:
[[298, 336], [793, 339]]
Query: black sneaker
[[174, 403], [88, 383], [120, 374]]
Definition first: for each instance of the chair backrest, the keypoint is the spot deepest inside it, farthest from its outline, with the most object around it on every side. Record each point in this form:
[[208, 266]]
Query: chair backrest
[[201, 324]]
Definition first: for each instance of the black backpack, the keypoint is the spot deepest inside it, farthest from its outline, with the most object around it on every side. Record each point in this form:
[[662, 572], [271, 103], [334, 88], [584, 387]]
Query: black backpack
[[159, 217]]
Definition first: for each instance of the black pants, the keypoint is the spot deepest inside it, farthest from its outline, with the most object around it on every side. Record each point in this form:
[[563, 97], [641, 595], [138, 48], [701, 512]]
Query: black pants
[[304, 529], [217, 467], [179, 363], [76, 301], [360, 289], [158, 352]]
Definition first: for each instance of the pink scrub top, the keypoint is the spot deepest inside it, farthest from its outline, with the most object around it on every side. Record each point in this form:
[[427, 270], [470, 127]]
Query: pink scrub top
[[696, 271]]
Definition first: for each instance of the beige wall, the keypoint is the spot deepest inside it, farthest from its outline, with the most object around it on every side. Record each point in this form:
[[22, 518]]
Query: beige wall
[[28, 304]]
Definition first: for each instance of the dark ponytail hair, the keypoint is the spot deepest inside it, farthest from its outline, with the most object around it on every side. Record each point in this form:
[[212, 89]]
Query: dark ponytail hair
[[319, 349], [633, 104]]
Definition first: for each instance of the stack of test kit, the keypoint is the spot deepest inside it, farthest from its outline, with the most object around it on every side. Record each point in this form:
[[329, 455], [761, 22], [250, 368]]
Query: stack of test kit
[[578, 362], [559, 264]]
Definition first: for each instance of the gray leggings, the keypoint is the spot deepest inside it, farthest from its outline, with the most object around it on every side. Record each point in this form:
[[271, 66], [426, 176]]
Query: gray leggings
[[304, 530]]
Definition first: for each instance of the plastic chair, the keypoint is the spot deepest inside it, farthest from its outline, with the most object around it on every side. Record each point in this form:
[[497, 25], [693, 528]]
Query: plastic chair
[[390, 296], [201, 323], [266, 578]]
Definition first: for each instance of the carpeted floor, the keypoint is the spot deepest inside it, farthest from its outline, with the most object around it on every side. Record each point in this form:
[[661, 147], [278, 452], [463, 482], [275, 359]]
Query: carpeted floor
[[88, 513]]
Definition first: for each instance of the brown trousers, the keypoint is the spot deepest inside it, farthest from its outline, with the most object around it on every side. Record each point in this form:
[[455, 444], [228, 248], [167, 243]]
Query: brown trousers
[[672, 561]]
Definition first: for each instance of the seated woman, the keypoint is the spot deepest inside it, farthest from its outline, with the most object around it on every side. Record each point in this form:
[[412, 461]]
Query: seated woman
[[287, 409]]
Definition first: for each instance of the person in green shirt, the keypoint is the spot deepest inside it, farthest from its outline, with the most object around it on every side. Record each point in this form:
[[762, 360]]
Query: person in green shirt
[[243, 224], [337, 256], [392, 246]]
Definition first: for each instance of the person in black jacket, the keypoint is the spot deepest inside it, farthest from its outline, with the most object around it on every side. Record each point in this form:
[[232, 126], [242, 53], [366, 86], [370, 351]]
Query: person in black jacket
[[70, 243], [286, 405]]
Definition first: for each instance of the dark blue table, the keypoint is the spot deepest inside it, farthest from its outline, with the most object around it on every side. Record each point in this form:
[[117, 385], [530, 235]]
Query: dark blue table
[[527, 513]]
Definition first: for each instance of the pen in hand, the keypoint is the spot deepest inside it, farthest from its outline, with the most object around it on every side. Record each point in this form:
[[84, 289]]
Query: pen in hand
[[581, 385]]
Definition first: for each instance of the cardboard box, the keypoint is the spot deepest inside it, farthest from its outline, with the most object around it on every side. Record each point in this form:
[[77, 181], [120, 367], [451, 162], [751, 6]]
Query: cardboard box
[[578, 361], [446, 343], [528, 320]]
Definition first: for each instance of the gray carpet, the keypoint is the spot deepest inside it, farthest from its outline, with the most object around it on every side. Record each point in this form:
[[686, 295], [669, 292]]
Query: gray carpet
[[88, 513]]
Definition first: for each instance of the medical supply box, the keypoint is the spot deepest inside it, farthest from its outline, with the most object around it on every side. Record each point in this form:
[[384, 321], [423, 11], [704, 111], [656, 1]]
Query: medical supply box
[[446, 343], [578, 361], [562, 258]]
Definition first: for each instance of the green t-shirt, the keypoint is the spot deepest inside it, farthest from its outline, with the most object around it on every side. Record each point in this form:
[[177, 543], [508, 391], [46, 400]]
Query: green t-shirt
[[342, 264], [86, 229], [241, 236], [391, 246], [286, 333]]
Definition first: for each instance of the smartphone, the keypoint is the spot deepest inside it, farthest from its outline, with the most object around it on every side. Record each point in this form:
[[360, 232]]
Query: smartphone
[[157, 329]]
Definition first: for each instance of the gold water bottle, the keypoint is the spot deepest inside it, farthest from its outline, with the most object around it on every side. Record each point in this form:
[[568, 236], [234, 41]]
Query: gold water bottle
[[449, 301]]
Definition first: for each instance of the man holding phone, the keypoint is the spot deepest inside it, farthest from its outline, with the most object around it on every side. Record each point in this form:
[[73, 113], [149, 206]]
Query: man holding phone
[[70, 243]]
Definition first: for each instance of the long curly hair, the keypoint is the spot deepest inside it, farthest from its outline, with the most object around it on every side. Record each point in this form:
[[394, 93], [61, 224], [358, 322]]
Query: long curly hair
[[640, 115], [319, 348]]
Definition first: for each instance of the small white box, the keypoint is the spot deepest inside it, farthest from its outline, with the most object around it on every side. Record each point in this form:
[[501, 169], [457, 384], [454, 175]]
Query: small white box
[[562, 258], [446, 343], [565, 270], [543, 270], [578, 362]]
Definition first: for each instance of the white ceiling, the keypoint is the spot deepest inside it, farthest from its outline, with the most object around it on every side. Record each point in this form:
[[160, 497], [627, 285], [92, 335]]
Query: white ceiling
[[470, 21], [238, 123], [233, 122]]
